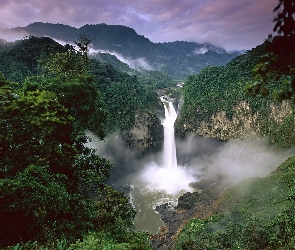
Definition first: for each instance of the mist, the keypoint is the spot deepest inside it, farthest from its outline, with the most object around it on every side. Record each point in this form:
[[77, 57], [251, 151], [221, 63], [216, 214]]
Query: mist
[[124, 159], [137, 64], [149, 184], [234, 160], [198, 158], [202, 50], [11, 36], [238, 160]]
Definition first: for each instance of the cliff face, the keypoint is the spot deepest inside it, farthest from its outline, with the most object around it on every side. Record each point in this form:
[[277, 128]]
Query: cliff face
[[201, 203], [146, 135], [245, 122]]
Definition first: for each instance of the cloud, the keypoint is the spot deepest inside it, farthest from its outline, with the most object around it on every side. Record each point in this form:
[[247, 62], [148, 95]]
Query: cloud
[[138, 63], [240, 24]]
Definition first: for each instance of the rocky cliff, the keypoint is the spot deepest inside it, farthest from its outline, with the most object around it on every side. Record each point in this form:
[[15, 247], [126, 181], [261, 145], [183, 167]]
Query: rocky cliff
[[146, 135]]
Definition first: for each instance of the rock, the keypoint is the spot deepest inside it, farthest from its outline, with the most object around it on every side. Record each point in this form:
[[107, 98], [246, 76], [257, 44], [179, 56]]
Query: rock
[[146, 135], [190, 205], [188, 200]]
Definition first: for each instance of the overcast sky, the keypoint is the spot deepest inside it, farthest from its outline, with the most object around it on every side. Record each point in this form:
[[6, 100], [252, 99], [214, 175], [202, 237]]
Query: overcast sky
[[231, 24]]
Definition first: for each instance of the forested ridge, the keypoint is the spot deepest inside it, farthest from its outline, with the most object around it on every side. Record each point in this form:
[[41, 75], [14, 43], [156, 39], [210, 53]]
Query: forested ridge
[[125, 42], [54, 192], [219, 101], [253, 95], [53, 188]]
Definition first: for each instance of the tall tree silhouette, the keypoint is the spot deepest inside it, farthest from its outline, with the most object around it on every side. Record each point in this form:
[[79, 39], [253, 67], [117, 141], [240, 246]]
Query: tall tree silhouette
[[278, 63], [284, 20]]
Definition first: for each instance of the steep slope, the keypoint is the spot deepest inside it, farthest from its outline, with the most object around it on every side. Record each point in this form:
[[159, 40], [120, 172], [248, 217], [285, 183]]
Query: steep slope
[[256, 214], [20, 59], [191, 48], [217, 104]]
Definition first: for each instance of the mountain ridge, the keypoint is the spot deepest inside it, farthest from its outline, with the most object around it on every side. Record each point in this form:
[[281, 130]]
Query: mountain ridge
[[179, 58]]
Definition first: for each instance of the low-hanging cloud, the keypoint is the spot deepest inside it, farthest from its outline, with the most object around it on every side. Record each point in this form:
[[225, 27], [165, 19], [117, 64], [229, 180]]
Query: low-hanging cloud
[[137, 63], [229, 24], [11, 36]]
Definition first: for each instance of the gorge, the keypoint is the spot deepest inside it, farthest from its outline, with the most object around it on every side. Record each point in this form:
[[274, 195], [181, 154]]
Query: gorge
[[216, 172], [170, 182]]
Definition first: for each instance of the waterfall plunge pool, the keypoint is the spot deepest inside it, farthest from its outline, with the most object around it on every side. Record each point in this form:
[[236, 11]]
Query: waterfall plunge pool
[[158, 183], [159, 179]]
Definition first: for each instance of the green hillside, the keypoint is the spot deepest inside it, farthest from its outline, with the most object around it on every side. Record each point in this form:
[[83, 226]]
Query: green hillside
[[53, 188], [251, 95], [26, 58], [217, 103], [256, 214]]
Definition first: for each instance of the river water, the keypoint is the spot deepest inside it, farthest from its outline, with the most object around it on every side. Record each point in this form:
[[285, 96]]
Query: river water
[[159, 182], [163, 178]]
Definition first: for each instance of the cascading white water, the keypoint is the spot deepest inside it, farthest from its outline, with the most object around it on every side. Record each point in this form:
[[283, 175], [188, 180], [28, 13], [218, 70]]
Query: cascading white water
[[160, 180], [169, 153]]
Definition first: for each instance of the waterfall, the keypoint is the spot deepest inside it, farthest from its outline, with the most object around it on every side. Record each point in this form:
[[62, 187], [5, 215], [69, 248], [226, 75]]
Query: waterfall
[[169, 153]]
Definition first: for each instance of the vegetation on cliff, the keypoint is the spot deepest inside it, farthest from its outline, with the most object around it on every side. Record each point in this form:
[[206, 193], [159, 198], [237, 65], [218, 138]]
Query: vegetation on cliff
[[218, 103], [53, 189], [258, 213]]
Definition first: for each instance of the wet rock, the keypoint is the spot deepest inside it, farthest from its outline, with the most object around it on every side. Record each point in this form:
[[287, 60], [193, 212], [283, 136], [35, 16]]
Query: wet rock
[[146, 135], [197, 204], [188, 200]]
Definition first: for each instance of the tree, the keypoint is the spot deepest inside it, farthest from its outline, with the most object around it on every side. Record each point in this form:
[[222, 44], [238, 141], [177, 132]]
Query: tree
[[31, 202], [21, 59], [35, 129], [284, 20], [67, 75], [48, 175], [277, 66], [84, 46]]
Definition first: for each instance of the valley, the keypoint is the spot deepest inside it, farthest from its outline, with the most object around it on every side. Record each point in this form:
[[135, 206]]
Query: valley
[[111, 141]]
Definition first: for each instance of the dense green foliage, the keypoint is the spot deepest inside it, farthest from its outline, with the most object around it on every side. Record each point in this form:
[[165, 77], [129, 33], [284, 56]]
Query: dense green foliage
[[278, 62], [43, 161], [53, 188], [276, 65], [20, 59], [219, 88], [259, 212], [256, 214], [266, 73], [114, 61], [222, 89], [51, 64], [156, 79], [122, 94]]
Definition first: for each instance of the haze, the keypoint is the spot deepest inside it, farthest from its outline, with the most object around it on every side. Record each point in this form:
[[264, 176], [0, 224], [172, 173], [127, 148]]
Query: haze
[[233, 25]]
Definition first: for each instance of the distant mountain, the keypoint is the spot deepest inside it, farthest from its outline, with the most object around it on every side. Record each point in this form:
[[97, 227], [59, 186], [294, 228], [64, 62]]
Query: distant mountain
[[191, 48], [179, 59]]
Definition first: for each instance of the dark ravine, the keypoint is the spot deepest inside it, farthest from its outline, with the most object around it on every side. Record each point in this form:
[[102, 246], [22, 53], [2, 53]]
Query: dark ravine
[[198, 204]]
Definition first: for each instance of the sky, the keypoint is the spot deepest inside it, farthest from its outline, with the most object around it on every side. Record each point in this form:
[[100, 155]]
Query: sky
[[230, 24]]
